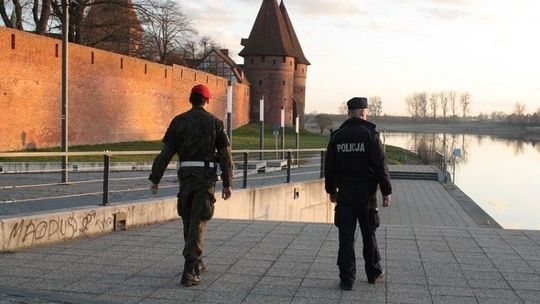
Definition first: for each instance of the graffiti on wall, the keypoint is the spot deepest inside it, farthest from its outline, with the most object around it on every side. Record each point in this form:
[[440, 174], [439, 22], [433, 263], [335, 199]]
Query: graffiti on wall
[[71, 226]]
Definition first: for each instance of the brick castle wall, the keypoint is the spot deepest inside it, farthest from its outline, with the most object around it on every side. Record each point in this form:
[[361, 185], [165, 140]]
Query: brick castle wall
[[112, 97]]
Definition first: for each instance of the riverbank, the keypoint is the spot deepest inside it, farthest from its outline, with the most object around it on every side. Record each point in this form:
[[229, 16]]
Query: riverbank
[[396, 125]]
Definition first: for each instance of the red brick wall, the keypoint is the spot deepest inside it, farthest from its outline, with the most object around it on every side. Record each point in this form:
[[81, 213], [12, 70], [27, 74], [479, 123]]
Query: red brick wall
[[112, 98]]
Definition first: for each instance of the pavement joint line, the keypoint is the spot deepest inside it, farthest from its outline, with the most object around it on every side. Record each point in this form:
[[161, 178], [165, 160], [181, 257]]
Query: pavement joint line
[[273, 263], [504, 278], [310, 266], [421, 263]]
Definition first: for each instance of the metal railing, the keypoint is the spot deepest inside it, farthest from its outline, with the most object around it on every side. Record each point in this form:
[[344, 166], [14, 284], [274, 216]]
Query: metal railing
[[433, 157], [297, 163]]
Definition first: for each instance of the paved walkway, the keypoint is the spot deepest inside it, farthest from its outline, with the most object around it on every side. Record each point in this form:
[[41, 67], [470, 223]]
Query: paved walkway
[[279, 262], [431, 244]]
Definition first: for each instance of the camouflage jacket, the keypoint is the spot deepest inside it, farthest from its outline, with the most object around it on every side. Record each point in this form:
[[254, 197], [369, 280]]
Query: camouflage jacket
[[195, 135]]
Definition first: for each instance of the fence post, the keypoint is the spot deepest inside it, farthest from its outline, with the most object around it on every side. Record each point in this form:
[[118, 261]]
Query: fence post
[[106, 167], [288, 166], [244, 184], [323, 156]]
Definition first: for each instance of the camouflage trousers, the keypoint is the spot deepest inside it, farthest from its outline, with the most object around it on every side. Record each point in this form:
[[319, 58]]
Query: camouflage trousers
[[196, 207]]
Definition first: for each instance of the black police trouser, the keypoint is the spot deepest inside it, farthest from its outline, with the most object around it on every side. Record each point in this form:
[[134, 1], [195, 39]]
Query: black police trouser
[[348, 211], [196, 207]]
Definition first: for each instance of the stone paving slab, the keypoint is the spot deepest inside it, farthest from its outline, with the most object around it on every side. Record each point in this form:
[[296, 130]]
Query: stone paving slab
[[278, 262]]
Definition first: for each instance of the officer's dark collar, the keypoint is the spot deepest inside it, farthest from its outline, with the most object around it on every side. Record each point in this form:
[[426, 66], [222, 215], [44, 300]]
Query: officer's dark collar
[[358, 121]]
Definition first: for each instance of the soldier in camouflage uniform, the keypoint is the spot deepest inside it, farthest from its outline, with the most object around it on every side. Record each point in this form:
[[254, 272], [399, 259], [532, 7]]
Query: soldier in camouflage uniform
[[201, 143]]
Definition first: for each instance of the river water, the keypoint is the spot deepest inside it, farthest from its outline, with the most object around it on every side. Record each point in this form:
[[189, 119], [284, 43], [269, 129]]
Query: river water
[[500, 175]]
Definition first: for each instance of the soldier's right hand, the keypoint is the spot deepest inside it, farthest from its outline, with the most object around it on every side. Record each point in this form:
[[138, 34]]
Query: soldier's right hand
[[226, 193], [385, 200]]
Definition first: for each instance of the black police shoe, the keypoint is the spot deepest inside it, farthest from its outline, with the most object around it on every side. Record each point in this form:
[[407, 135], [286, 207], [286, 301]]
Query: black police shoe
[[376, 279], [346, 285]]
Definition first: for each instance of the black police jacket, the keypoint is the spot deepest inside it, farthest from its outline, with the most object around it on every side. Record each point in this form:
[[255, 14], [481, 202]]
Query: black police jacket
[[355, 157]]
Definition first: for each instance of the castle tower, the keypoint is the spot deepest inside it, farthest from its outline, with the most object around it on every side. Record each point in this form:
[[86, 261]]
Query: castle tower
[[300, 69], [269, 62], [113, 26]]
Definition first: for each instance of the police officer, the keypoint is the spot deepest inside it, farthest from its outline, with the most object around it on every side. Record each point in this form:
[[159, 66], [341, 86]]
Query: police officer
[[201, 143], [355, 167]]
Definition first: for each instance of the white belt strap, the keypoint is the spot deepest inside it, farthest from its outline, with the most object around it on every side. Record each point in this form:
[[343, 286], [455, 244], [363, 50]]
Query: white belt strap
[[185, 164]]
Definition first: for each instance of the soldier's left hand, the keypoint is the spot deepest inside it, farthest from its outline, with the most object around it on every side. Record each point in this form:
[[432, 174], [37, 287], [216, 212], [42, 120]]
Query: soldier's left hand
[[333, 198], [154, 188]]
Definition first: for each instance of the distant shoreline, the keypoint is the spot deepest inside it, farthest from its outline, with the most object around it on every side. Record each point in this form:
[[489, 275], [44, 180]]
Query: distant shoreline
[[498, 129]]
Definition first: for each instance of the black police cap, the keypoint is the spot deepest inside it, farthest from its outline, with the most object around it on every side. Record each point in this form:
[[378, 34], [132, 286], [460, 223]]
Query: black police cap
[[357, 103]]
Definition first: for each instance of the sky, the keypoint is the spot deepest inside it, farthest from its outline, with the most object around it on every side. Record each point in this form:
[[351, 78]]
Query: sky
[[393, 48]]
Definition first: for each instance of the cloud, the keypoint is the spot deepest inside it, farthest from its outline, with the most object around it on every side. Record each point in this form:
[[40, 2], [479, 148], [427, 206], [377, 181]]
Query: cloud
[[209, 10], [499, 206], [319, 7], [326, 8], [452, 2], [446, 13]]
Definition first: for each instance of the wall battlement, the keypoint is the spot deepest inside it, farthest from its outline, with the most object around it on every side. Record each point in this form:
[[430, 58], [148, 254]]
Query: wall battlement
[[112, 97]]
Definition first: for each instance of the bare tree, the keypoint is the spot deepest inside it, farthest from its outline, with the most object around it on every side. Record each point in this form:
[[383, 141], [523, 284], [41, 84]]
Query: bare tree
[[17, 13], [412, 106], [76, 15], [434, 104], [452, 98], [343, 108], [207, 44], [465, 102], [498, 115], [323, 121], [41, 11], [519, 109], [166, 30], [20, 14], [417, 104], [423, 103], [16, 18], [375, 106], [443, 97]]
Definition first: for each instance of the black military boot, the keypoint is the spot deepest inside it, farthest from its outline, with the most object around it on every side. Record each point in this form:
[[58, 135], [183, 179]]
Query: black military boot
[[190, 277], [200, 267]]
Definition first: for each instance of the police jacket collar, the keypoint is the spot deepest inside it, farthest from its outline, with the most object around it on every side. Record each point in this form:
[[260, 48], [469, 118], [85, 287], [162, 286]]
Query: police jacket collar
[[355, 121]]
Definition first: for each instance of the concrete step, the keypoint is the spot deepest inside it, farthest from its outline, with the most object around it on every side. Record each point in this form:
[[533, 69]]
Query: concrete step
[[414, 175]]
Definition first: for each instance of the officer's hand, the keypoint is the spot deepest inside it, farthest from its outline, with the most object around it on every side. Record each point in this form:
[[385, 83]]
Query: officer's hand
[[385, 200], [154, 188], [333, 198], [226, 193]]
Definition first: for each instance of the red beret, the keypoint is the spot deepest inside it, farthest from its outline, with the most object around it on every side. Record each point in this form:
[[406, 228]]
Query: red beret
[[202, 90]]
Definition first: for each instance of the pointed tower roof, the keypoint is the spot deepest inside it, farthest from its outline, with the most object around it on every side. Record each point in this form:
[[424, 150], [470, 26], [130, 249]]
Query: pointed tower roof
[[269, 35], [301, 58], [113, 25]]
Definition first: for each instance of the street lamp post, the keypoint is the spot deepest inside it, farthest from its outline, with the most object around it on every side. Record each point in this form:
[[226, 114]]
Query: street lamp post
[[261, 128], [297, 129], [282, 131], [229, 111], [65, 28]]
